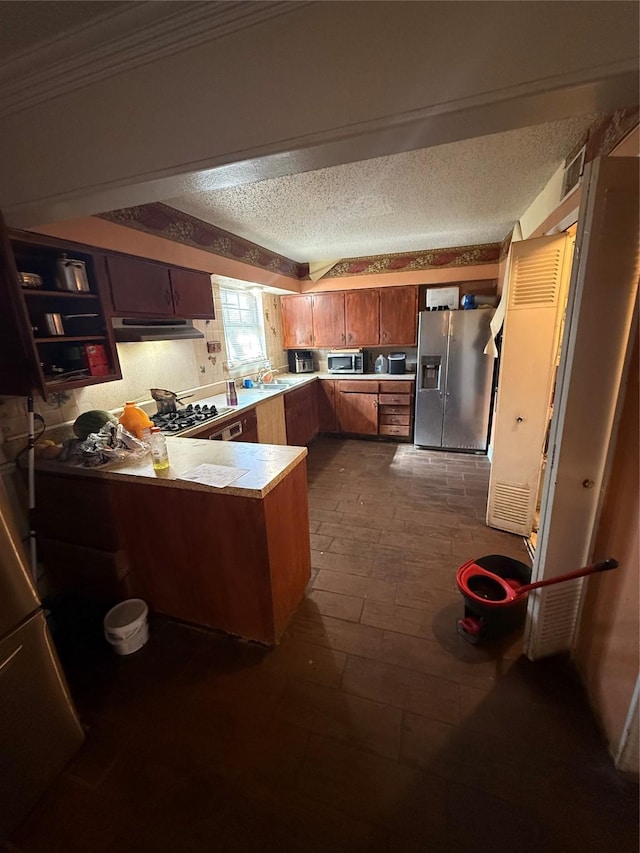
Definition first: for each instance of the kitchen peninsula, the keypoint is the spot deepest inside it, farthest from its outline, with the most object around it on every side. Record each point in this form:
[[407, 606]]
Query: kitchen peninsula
[[235, 559]]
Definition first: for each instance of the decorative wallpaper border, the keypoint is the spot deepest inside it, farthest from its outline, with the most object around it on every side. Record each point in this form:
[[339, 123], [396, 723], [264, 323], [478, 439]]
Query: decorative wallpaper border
[[505, 245], [605, 133], [161, 220], [458, 256]]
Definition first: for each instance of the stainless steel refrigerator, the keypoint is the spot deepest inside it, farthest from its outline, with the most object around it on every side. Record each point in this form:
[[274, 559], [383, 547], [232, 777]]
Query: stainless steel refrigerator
[[454, 381], [39, 729]]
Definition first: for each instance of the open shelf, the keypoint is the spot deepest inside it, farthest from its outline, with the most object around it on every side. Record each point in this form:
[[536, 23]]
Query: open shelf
[[80, 382], [69, 339], [62, 294]]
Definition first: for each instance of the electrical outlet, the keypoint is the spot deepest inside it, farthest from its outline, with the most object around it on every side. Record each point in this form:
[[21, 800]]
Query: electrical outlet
[[214, 346]]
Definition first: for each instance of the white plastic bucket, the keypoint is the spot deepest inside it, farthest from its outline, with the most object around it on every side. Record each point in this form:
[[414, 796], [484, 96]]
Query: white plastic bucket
[[126, 627]]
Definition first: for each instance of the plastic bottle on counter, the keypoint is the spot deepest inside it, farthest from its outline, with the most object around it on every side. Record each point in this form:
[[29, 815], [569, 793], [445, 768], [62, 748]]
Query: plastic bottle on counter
[[381, 364], [232, 395], [159, 452], [136, 421]]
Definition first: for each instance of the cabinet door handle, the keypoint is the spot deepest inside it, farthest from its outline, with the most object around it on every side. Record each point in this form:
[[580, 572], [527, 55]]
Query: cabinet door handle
[[167, 296], [176, 296], [350, 336], [343, 337], [384, 335]]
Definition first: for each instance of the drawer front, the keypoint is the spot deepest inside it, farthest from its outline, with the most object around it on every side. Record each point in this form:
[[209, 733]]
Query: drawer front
[[357, 386], [393, 429], [396, 387], [395, 410], [395, 399], [400, 420]]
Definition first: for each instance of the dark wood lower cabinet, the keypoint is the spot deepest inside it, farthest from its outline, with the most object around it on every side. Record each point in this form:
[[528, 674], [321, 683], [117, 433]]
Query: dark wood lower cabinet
[[78, 538], [326, 402], [236, 564], [366, 407], [396, 408], [301, 415], [249, 422], [358, 412]]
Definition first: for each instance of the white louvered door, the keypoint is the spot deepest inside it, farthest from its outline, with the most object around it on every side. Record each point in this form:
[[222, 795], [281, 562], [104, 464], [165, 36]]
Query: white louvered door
[[537, 293], [597, 343]]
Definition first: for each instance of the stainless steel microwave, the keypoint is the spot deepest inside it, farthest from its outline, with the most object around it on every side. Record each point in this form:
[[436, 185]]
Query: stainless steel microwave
[[345, 362]]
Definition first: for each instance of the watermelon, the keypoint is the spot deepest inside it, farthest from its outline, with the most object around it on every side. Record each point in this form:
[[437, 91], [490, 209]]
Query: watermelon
[[92, 421]]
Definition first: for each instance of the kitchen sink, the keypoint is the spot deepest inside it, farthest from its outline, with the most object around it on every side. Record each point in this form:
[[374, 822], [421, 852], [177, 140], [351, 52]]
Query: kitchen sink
[[281, 383]]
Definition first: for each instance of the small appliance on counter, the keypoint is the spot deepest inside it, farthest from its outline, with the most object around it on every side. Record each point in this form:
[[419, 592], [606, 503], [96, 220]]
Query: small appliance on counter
[[381, 364], [397, 362], [300, 361], [346, 361]]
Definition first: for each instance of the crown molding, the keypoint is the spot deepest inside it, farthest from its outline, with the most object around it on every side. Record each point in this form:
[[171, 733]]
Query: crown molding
[[121, 40]]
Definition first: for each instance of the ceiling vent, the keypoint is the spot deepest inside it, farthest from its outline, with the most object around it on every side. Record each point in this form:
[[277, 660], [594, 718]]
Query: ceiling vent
[[573, 173]]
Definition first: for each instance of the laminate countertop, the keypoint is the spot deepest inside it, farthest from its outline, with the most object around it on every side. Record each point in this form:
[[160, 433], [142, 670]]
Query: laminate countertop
[[263, 466], [249, 398]]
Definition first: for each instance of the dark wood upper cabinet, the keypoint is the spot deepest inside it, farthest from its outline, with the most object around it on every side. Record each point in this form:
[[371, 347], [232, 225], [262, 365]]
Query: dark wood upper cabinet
[[149, 289], [18, 354], [354, 318], [36, 357], [139, 287], [297, 321], [192, 294], [328, 320], [399, 316], [362, 317]]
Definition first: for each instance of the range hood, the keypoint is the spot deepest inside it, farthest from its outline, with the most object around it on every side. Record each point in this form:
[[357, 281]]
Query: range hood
[[135, 330]]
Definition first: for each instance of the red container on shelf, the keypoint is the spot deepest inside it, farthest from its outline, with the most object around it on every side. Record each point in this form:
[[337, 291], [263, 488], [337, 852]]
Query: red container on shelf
[[97, 361]]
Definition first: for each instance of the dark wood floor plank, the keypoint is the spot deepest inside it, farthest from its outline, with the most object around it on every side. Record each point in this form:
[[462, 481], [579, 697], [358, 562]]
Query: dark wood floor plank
[[372, 728]]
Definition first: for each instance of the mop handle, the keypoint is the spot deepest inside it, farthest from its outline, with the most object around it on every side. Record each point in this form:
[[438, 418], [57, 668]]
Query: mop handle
[[602, 566]]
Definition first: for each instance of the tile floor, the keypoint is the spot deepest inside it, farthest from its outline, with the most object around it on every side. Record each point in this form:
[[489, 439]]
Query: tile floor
[[372, 727]]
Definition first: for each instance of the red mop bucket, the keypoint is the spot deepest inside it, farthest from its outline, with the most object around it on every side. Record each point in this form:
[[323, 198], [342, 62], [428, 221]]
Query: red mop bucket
[[495, 591]]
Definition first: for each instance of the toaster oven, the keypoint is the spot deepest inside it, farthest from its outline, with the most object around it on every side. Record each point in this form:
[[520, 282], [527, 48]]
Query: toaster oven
[[345, 362], [300, 361]]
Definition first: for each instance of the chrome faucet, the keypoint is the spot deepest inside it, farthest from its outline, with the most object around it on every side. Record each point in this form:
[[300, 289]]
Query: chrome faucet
[[264, 371]]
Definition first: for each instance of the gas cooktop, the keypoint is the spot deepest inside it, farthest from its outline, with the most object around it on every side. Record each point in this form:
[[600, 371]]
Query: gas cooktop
[[173, 423]]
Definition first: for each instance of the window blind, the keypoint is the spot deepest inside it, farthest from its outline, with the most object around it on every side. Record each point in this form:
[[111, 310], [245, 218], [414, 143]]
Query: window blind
[[243, 327]]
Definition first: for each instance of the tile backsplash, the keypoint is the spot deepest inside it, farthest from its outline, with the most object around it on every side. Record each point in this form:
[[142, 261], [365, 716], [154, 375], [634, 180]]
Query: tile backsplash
[[179, 366]]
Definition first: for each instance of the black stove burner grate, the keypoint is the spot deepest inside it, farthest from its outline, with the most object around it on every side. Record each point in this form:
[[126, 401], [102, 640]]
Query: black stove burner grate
[[181, 419]]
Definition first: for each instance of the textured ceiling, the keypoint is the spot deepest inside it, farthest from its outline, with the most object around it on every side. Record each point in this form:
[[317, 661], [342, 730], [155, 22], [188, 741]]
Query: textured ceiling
[[458, 194]]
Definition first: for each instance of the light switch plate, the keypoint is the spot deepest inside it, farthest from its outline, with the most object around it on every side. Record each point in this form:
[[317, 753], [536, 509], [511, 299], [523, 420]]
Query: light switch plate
[[214, 346]]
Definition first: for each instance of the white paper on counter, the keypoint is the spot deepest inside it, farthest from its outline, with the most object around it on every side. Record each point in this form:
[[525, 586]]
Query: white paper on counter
[[214, 475]]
